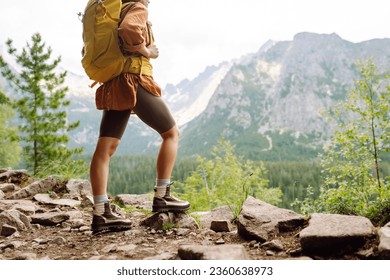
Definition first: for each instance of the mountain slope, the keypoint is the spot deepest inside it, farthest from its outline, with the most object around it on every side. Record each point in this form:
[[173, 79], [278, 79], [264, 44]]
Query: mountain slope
[[270, 105]]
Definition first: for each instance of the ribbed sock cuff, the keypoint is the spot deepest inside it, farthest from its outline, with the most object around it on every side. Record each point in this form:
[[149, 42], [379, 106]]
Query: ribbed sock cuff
[[100, 198], [161, 187], [163, 182]]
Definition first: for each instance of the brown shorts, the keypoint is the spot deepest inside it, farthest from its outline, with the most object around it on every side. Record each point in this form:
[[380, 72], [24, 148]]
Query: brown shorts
[[149, 108]]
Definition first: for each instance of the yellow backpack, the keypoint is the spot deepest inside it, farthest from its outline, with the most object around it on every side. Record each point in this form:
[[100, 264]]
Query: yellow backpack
[[102, 58]]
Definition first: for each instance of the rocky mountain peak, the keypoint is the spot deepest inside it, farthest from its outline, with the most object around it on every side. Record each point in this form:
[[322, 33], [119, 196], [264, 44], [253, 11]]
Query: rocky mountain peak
[[280, 93]]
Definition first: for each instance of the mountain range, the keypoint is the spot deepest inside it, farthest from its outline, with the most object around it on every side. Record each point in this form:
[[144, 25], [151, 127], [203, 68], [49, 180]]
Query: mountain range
[[269, 103]]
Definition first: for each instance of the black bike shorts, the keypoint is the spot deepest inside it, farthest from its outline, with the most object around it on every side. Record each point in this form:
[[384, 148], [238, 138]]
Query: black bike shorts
[[151, 109]]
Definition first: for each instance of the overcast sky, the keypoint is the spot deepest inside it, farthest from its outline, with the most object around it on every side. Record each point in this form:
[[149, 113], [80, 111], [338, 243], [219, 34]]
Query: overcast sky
[[192, 34]]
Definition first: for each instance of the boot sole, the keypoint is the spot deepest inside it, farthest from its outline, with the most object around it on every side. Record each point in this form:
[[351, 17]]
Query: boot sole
[[163, 209], [115, 226], [103, 229]]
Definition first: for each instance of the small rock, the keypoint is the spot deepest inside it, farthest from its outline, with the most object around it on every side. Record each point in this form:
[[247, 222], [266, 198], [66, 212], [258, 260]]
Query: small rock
[[16, 219], [58, 240], [26, 256], [274, 245], [7, 230], [84, 228], [252, 243], [109, 248], [221, 226], [50, 218], [219, 252], [220, 241], [13, 245], [220, 213], [182, 231], [127, 249], [7, 187], [40, 241], [75, 223], [270, 253]]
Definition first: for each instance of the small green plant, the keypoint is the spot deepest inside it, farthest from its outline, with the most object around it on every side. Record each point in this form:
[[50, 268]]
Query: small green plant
[[236, 206], [168, 226], [309, 204]]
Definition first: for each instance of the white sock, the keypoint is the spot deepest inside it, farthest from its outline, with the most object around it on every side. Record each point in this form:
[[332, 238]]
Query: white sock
[[161, 187], [100, 198], [98, 208]]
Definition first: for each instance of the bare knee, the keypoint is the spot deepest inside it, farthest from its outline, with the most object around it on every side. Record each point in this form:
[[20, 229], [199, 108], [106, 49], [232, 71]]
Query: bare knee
[[107, 146], [172, 134]]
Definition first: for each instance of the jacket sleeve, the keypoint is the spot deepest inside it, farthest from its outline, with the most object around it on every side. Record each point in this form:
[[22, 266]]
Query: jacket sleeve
[[133, 29]]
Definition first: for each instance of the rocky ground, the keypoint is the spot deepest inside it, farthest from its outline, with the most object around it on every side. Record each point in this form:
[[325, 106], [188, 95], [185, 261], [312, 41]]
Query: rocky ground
[[63, 242], [50, 219]]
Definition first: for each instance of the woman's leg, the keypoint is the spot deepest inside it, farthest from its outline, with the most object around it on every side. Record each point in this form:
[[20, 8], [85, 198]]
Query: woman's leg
[[112, 127], [100, 163], [168, 151], [153, 111]]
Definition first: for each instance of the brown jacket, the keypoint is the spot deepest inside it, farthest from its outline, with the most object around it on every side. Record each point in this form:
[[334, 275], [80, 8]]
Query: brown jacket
[[120, 93]]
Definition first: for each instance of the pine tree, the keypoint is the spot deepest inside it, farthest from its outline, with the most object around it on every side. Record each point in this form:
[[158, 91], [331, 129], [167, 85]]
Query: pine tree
[[41, 105], [9, 146]]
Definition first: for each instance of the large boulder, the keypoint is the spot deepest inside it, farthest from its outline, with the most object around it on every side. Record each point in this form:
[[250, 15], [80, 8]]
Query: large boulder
[[262, 221], [335, 234]]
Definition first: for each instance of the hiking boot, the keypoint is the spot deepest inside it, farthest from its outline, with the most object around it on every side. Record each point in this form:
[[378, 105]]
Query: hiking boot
[[169, 203], [104, 220]]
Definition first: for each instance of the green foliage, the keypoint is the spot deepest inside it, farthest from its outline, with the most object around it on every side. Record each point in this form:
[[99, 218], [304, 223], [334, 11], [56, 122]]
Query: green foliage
[[296, 179], [41, 106], [9, 146], [351, 161], [168, 226], [226, 180], [65, 170]]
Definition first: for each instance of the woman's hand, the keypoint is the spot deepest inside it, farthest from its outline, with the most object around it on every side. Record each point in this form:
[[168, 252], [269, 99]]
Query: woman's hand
[[149, 51], [153, 51]]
